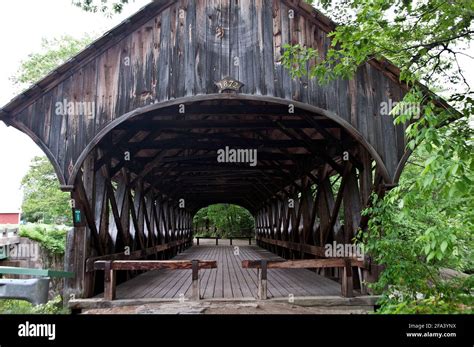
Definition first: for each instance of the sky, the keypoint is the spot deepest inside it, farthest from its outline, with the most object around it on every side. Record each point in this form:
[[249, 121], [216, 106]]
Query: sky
[[23, 24]]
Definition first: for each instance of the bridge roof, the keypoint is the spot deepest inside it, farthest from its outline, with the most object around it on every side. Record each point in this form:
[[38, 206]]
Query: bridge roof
[[129, 25]]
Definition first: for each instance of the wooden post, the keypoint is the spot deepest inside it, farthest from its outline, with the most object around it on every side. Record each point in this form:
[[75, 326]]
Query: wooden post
[[347, 283], [197, 238], [363, 288], [217, 241], [250, 241], [231, 241], [109, 281], [78, 249], [262, 280], [195, 293]]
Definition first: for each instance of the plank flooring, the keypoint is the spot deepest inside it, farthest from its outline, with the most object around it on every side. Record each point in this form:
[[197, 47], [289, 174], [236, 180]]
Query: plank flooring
[[229, 280]]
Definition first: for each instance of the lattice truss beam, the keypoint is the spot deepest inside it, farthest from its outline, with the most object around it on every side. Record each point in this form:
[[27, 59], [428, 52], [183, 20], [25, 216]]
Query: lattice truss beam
[[141, 185]]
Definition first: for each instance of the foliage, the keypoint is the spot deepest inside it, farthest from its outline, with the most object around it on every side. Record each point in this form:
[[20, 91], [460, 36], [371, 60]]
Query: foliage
[[54, 52], [54, 306], [424, 38], [454, 296], [107, 7], [52, 238], [427, 222], [223, 220], [43, 200], [415, 236]]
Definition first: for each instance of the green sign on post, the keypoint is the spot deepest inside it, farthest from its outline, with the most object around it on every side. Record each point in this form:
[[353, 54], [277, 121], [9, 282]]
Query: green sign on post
[[77, 216]]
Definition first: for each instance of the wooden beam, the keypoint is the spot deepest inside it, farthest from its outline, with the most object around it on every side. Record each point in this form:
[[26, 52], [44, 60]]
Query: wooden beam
[[133, 255], [295, 246], [337, 204], [262, 280], [304, 263], [149, 265]]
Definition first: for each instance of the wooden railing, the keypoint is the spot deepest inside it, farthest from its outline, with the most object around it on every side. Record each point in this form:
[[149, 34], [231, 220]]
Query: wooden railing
[[241, 238], [230, 238], [294, 246], [207, 238], [345, 263], [140, 254], [111, 266]]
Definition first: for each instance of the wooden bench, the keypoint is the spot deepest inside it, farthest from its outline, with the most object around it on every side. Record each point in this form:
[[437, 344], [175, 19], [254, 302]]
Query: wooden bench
[[32, 290], [345, 263], [230, 238], [241, 238], [208, 238], [111, 266]]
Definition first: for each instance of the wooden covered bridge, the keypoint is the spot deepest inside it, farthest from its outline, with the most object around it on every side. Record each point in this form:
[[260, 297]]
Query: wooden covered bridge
[[134, 126]]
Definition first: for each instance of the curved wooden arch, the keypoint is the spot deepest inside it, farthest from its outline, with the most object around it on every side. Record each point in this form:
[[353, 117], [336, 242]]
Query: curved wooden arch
[[401, 165], [23, 128], [244, 97]]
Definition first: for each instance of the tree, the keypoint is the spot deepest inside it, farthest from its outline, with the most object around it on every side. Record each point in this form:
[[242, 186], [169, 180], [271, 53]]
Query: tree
[[107, 7], [54, 52], [427, 222], [43, 200], [223, 220]]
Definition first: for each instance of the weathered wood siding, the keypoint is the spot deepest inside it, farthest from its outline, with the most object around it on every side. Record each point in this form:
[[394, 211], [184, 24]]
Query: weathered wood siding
[[173, 50]]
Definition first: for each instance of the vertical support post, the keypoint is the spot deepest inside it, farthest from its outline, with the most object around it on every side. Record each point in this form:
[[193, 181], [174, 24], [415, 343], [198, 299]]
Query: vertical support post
[[347, 282], [363, 287], [262, 280], [109, 281], [197, 238], [231, 241], [250, 241], [217, 240], [195, 291], [77, 251]]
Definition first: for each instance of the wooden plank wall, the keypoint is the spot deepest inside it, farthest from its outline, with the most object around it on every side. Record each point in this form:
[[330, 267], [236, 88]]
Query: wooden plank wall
[[174, 50]]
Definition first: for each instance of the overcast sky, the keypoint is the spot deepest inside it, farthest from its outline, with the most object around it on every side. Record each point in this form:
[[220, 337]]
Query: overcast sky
[[23, 23]]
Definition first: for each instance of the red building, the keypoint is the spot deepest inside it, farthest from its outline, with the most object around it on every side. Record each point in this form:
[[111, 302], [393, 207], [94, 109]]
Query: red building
[[10, 217]]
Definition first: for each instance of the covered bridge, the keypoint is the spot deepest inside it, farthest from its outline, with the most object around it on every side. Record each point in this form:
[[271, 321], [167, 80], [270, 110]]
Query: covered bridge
[[133, 126]]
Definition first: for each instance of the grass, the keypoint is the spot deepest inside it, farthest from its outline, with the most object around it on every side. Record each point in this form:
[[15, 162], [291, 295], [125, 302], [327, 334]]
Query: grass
[[54, 306]]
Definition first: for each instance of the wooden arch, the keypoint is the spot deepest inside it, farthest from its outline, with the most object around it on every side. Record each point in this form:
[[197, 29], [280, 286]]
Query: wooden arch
[[300, 191], [186, 100]]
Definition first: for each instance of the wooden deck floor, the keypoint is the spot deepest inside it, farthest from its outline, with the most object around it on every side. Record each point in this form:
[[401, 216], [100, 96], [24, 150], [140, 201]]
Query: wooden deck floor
[[229, 280]]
